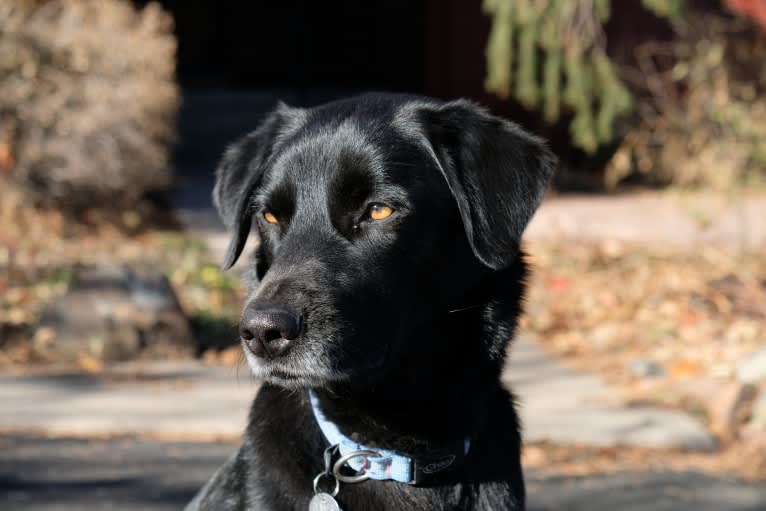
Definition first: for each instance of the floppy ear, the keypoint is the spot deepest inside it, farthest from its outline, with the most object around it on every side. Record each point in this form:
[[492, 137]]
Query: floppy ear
[[497, 172], [241, 171]]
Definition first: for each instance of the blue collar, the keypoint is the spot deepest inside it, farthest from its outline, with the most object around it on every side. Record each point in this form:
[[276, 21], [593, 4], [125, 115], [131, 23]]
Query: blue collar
[[389, 465]]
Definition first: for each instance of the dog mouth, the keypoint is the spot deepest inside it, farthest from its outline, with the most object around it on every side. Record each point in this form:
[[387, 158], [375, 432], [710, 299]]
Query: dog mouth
[[312, 369], [293, 371], [293, 379]]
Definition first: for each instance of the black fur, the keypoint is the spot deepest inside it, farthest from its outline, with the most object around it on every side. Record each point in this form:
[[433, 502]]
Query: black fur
[[405, 320]]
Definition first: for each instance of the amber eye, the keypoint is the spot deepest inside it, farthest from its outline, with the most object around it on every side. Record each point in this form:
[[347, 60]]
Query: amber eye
[[270, 217], [379, 211]]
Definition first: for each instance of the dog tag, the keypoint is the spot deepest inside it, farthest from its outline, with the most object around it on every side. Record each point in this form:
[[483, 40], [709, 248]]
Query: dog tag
[[323, 502]]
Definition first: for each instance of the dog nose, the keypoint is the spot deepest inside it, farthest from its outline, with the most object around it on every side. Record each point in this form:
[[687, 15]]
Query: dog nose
[[269, 330]]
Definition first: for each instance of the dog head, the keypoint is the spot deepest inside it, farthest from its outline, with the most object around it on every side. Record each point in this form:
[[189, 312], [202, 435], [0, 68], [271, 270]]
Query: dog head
[[374, 217]]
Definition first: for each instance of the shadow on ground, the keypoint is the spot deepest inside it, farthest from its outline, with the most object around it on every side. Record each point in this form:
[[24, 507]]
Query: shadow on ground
[[644, 491], [125, 474], [129, 474]]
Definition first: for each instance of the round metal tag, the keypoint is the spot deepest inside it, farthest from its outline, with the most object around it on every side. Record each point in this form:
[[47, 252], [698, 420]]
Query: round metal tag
[[323, 502]]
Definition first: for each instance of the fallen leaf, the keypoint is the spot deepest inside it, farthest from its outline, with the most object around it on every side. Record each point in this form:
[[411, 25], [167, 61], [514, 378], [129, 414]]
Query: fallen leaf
[[89, 363], [684, 369]]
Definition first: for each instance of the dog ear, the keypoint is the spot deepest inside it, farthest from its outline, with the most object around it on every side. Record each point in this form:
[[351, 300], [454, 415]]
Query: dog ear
[[497, 172], [241, 171]]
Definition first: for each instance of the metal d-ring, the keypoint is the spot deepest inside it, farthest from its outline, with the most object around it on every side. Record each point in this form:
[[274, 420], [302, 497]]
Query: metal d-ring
[[325, 474], [344, 459]]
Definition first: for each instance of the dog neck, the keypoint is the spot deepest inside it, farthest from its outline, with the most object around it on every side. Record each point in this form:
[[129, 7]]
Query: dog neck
[[435, 400]]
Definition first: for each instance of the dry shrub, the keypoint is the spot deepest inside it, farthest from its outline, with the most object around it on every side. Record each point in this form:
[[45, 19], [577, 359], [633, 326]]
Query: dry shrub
[[702, 119], [87, 99]]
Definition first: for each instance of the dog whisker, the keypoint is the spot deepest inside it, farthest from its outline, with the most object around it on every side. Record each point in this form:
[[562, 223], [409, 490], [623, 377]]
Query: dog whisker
[[468, 308], [402, 164]]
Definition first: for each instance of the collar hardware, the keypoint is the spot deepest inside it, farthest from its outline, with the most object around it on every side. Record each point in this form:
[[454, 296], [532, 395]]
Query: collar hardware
[[385, 464], [364, 475]]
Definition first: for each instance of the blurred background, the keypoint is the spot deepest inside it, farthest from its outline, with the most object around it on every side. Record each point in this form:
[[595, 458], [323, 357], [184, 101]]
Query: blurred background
[[641, 363]]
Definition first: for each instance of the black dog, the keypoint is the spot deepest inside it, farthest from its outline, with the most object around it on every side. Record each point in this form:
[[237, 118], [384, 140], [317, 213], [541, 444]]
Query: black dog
[[386, 286]]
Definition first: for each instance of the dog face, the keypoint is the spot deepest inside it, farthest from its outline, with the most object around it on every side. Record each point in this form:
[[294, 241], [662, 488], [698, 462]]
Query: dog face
[[374, 217]]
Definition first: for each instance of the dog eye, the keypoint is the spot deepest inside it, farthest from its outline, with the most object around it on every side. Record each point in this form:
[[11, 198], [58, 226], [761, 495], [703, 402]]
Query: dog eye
[[270, 217], [378, 211]]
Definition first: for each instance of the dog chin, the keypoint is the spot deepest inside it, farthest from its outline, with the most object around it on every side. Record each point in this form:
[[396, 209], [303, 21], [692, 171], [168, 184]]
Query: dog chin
[[288, 376]]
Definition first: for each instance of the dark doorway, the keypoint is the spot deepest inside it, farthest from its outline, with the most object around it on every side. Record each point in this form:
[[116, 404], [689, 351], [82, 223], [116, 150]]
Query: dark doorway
[[236, 59], [301, 45]]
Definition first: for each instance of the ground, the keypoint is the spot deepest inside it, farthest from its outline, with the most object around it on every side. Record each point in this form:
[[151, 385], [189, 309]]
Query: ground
[[132, 474]]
